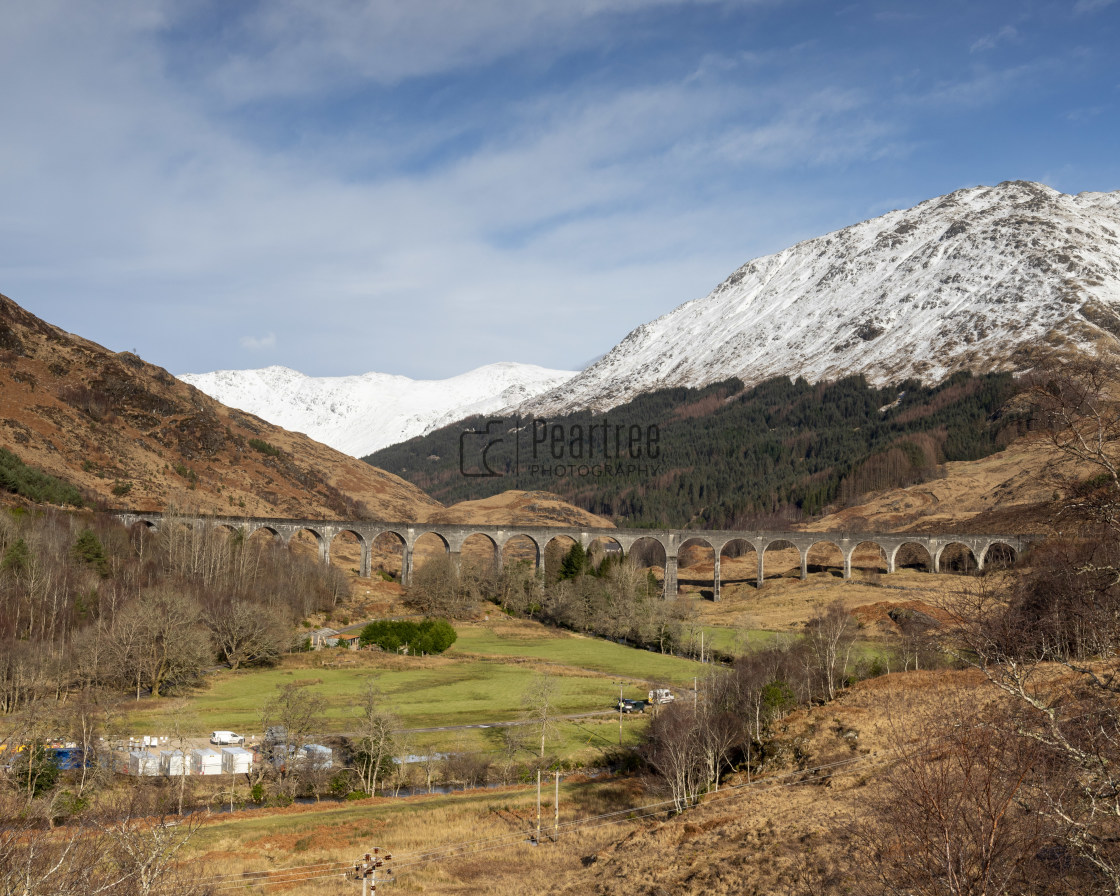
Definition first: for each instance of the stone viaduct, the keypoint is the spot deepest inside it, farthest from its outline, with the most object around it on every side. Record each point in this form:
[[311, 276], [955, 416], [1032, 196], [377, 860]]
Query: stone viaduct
[[671, 540]]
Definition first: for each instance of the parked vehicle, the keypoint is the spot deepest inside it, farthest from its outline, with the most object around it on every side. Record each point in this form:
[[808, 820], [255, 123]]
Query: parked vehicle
[[225, 738], [661, 695], [627, 705]]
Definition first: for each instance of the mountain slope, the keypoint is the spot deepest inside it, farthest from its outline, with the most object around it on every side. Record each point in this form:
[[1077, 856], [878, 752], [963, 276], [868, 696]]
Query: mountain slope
[[725, 456], [965, 281], [129, 434], [362, 414]]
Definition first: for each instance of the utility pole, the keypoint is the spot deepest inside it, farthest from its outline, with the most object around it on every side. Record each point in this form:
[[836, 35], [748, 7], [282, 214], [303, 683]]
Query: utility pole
[[620, 713], [556, 801], [365, 870], [538, 840]]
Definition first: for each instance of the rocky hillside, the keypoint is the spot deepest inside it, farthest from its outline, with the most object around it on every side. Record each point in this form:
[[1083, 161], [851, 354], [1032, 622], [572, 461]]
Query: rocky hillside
[[129, 434], [972, 280]]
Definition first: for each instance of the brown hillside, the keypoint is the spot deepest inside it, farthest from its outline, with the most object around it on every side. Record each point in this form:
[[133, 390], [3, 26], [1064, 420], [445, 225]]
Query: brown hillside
[[1007, 492], [519, 508], [131, 435]]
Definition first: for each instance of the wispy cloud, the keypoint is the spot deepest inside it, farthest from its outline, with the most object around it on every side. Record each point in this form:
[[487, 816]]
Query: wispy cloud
[[258, 343], [320, 171], [288, 47], [991, 41], [1082, 7]]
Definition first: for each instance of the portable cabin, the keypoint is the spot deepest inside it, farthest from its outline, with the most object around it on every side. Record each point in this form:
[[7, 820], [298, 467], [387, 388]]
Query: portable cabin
[[142, 762], [315, 756], [172, 763], [205, 762], [236, 760]]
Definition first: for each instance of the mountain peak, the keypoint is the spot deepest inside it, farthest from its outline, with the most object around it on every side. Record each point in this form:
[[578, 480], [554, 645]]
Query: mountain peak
[[363, 413], [970, 280]]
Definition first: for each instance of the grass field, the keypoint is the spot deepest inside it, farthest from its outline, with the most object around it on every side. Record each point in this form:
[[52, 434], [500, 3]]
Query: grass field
[[583, 653], [482, 680]]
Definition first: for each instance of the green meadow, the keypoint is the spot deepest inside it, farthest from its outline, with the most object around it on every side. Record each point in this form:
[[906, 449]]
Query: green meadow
[[480, 681]]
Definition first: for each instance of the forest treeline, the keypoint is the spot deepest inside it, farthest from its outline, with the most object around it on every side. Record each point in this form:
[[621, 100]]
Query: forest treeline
[[86, 603], [35, 485], [727, 456]]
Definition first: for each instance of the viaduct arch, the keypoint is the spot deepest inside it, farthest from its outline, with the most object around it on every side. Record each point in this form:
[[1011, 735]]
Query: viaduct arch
[[453, 537]]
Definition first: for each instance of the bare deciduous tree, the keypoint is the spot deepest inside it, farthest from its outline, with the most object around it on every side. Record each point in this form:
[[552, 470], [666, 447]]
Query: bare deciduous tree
[[674, 749], [539, 701], [245, 634], [291, 718], [159, 640], [438, 589], [957, 816], [831, 635], [375, 744]]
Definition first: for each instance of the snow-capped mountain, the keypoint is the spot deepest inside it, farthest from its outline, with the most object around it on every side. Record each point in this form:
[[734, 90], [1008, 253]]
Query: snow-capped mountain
[[361, 414], [964, 281]]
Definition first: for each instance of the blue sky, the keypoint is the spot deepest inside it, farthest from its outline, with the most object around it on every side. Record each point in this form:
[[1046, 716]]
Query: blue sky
[[424, 187]]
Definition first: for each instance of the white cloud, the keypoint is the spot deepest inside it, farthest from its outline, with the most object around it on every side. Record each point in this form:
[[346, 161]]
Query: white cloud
[[134, 201], [991, 41], [258, 343], [125, 180], [984, 86], [294, 47], [1082, 7]]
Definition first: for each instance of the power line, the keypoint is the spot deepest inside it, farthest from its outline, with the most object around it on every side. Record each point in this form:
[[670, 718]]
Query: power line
[[320, 870]]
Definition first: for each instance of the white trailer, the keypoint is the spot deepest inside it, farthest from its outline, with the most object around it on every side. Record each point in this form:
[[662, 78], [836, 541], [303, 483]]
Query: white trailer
[[143, 763], [172, 763], [205, 761], [236, 761]]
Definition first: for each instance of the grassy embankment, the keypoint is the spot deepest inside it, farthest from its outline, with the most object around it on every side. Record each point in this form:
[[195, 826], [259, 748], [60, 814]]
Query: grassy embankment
[[487, 829]]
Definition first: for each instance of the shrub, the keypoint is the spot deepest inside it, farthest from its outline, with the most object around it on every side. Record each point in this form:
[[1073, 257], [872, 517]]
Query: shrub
[[429, 636], [264, 448], [88, 549]]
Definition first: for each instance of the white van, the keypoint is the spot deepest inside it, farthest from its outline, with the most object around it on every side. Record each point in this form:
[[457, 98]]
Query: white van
[[226, 737]]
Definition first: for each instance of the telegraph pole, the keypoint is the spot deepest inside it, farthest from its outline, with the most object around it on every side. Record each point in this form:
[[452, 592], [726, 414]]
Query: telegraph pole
[[365, 870], [620, 713], [538, 840]]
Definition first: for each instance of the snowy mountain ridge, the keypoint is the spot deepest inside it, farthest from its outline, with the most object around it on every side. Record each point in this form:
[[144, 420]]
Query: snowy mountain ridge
[[973, 280], [364, 413], [970, 280]]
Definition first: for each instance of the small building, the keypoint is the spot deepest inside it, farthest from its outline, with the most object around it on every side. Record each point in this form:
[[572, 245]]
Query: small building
[[236, 761], [351, 641], [172, 763], [143, 763], [205, 761], [324, 637], [315, 756]]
